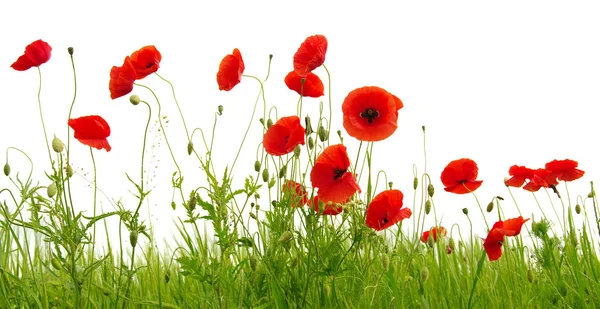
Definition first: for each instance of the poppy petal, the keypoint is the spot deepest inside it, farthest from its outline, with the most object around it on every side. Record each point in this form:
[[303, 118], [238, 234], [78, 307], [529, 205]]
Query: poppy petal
[[386, 210], [145, 61], [230, 70], [283, 136], [312, 87], [36, 54], [310, 55], [92, 131], [121, 79]]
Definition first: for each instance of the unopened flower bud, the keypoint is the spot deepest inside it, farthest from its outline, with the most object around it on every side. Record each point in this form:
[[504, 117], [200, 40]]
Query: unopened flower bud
[[253, 261], [309, 129], [297, 151], [51, 190], [322, 134], [262, 121], [385, 261], [465, 211], [133, 238], [430, 241], [173, 205], [56, 263], [430, 190], [220, 110], [311, 143], [69, 171], [257, 166], [592, 194], [57, 145], [452, 244], [286, 236], [269, 123], [424, 273], [6, 169], [265, 175], [190, 148], [490, 206], [530, 275], [192, 202], [253, 216], [70, 50], [327, 290], [427, 207], [415, 183], [282, 171], [578, 209], [134, 99]]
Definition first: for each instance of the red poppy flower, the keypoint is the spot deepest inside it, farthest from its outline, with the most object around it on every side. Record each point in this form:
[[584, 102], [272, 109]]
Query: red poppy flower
[[230, 70], [313, 86], [310, 55], [331, 177], [519, 175], [92, 131], [121, 79], [36, 54], [145, 61], [459, 176], [386, 210], [296, 192], [371, 113], [330, 208], [434, 232], [282, 137], [565, 170], [493, 242], [541, 178]]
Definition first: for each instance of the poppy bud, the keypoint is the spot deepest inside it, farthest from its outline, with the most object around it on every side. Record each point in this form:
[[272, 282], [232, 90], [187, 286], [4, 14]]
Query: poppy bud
[[452, 244], [262, 121], [424, 273], [133, 238], [134, 99], [253, 216], [282, 171], [190, 148], [51, 190], [308, 129], [70, 50], [220, 110], [530, 275], [253, 261], [6, 169], [269, 123], [415, 183], [490, 206], [257, 166], [427, 207], [385, 261], [285, 237], [173, 205], [265, 175], [578, 209], [297, 151], [192, 202], [592, 194], [430, 190], [430, 241], [57, 145], [326, 290], [465, 211], [322, 134], [55, 263], [311, 143], [69, 171]]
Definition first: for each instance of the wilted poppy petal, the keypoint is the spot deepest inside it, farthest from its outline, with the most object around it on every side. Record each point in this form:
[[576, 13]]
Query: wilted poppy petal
[[283, 136], [371, 113], [36, 54], [459, 176], [121, 79], [386, 210], [310, 55], [230, 70], [92, 131], [145, 61], [312, 87]]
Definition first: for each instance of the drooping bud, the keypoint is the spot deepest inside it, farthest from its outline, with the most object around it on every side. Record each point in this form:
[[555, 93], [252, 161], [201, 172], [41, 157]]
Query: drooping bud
[[578, 209], [385, 261], [133, 238], [285, 237], [134, 99], [424, 273], [265, 175], [269, 123], [6, 169], [490, 206], [57, 145], [262, 121], [253, 216], [415, 183], [220, 110], [427, 207], [430, 190], [282, 171], [465, 211], [257, 166], [51, 190], [190, 148]]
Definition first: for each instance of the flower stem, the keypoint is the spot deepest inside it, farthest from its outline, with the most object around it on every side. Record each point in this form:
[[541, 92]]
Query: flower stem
[[42, 115]]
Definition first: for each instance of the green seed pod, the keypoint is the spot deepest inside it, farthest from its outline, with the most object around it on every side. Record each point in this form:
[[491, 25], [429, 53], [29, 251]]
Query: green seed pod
[[173, 205], [57, 145], [265, 175], [51, 190], [465, 211], [490, 206], [286, 236], [6, 169], [69, 171], [134, 99], [269, 123], [190, 148], [430, 190], [578, 209], [415, 183], [220, 110], [253, 261], [133, 238], [385, 261], [427, 207], [424, 273], [311, 143]]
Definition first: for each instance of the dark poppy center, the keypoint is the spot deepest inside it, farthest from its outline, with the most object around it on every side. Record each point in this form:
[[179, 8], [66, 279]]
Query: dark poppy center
[[149, 65], [370, 114], [337, 173]]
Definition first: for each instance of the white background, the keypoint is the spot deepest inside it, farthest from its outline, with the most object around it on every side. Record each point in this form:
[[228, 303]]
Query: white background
[[507, 83]]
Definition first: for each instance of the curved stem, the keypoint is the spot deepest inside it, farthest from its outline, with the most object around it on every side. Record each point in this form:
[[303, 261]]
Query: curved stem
[[143, 154], [42, 115], [187, 134]]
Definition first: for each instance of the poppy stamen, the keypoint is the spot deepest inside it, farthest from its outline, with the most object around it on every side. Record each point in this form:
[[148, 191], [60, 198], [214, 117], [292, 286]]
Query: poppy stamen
[[337, 173], [370, 114]]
